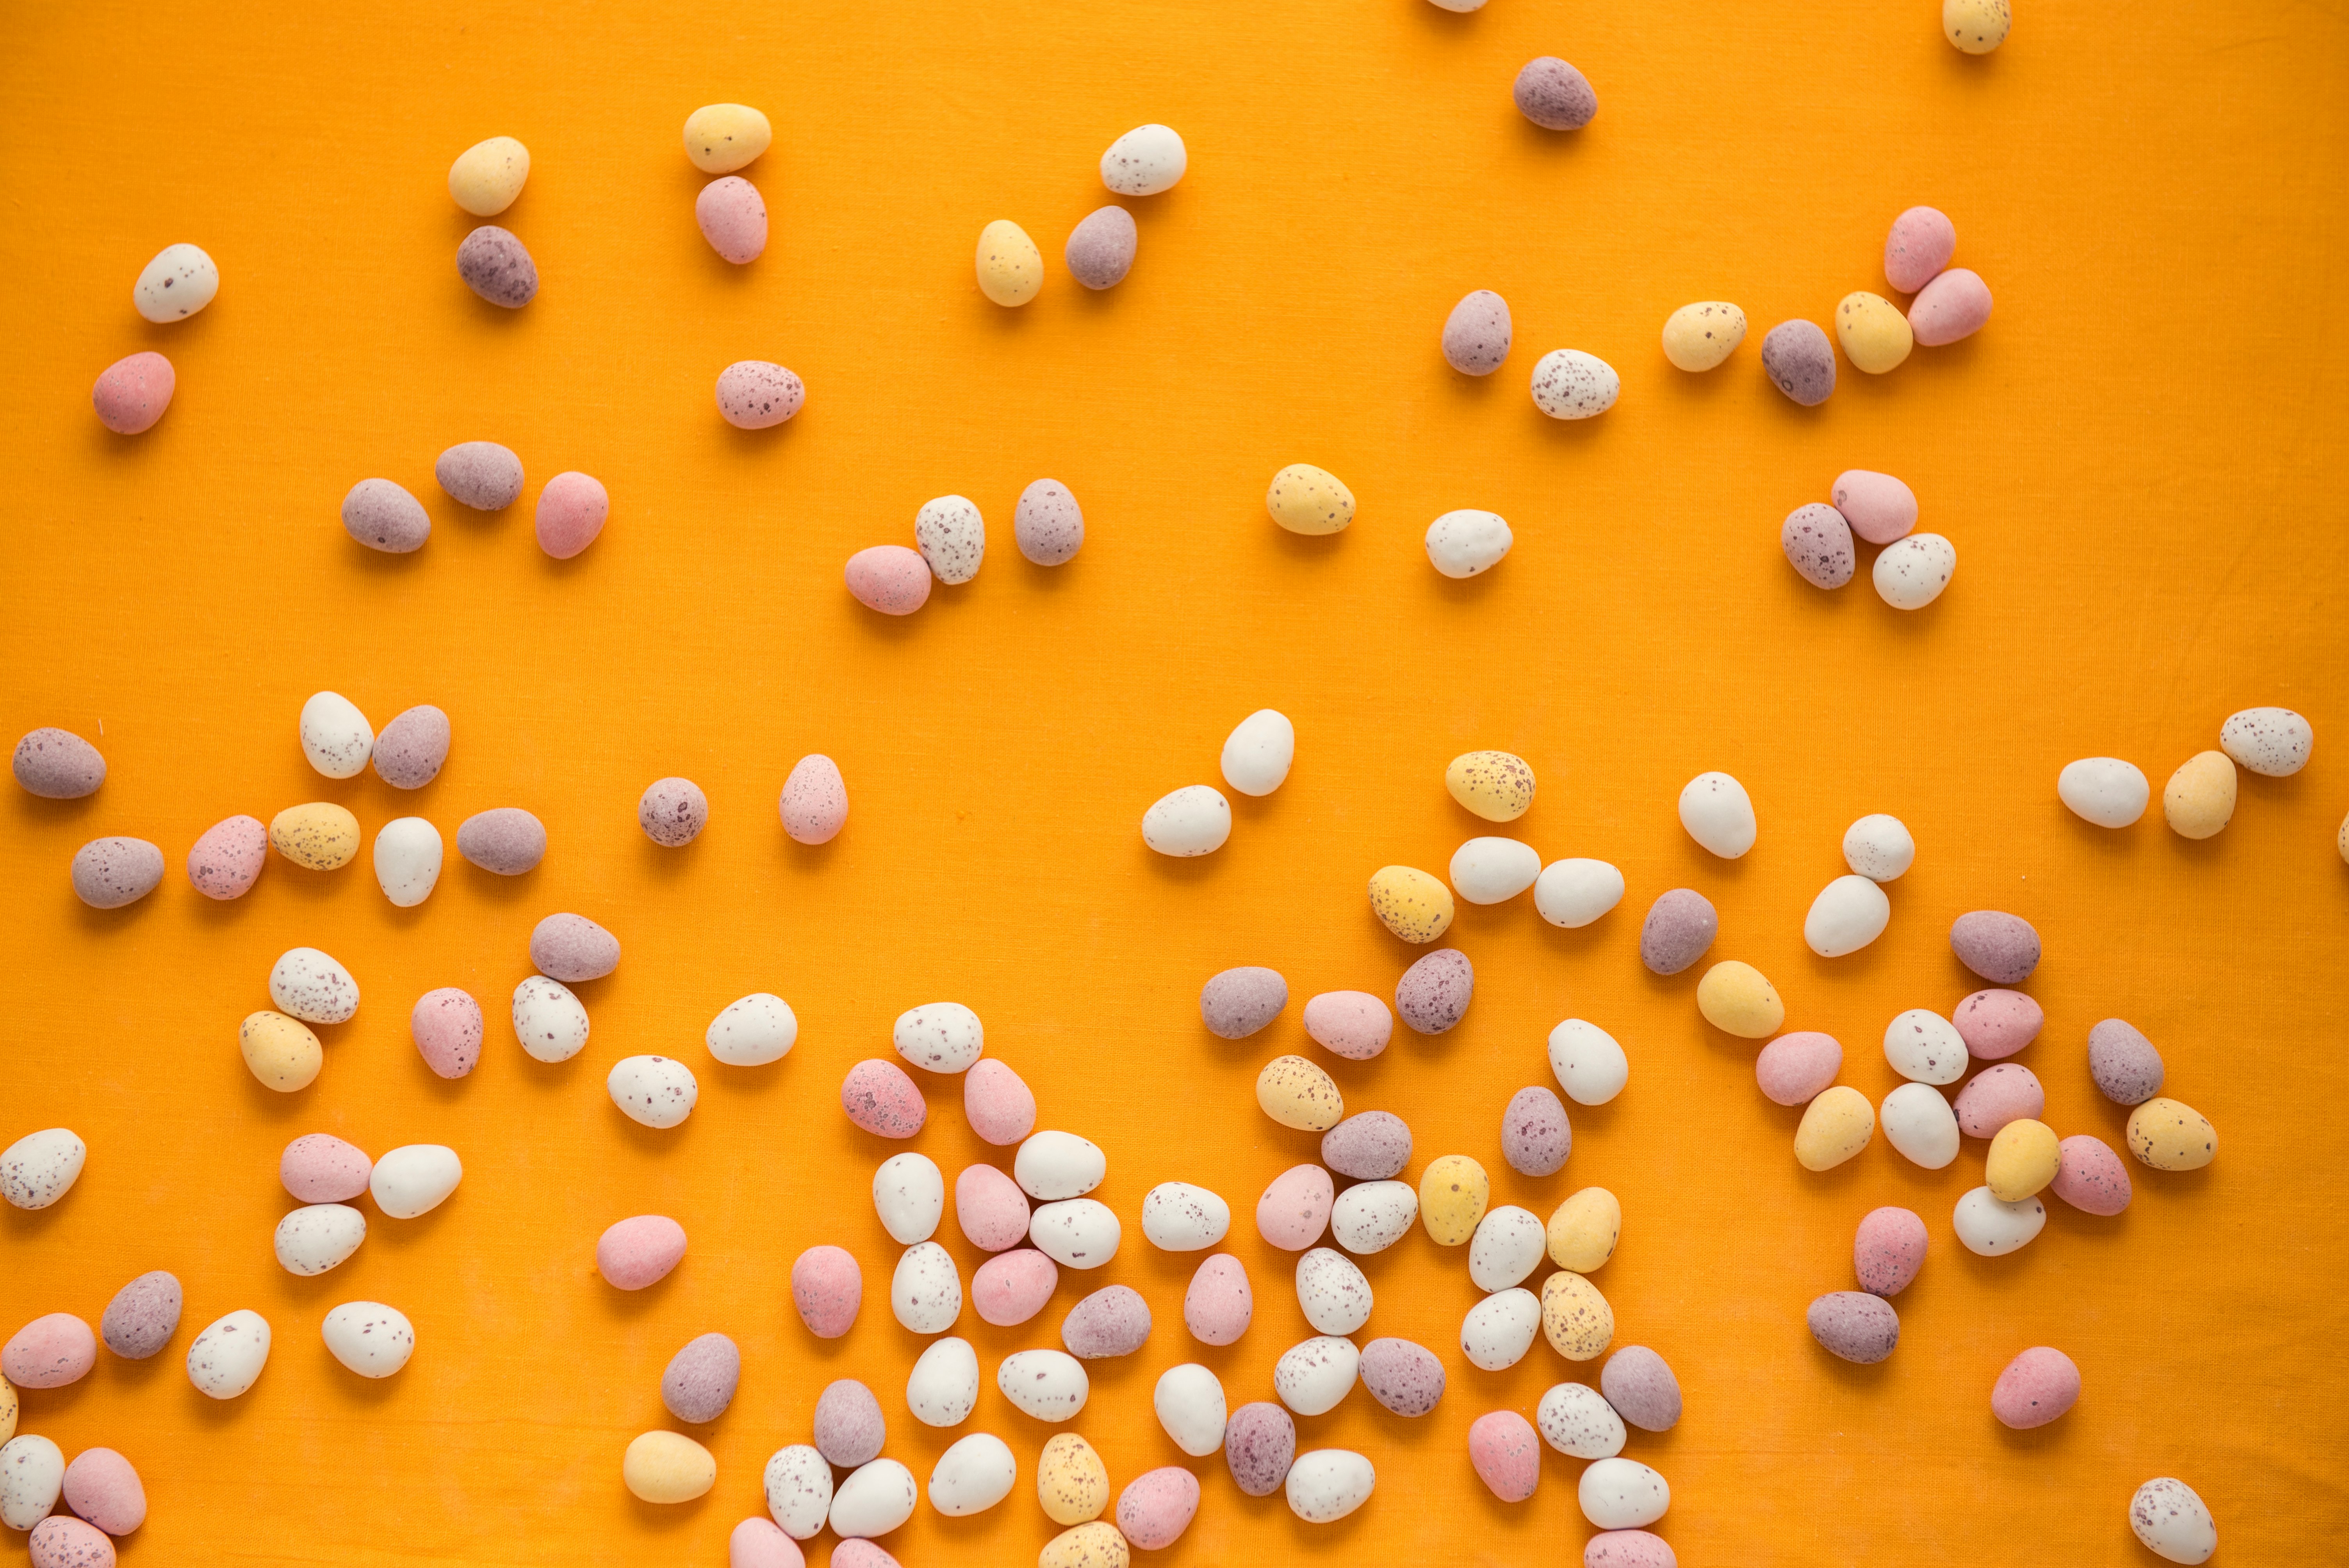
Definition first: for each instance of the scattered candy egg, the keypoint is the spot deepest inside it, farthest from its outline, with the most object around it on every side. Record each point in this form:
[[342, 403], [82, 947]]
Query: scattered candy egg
[[1217, 1304], [1880, 507], [548, 1020], [1955, 304], [2037, 1387], [573, 948], [1886, 1250], [1718, 814], [1738, 999], [1879, 848], [571, 510], [1406, 1380], [1158, 1506], [1997, 1024], [758, 395], [225, 861], [2104, 790], [909, 1195], [1493, 869], [2002, 948], [1849, 912], [1698, 337], [1498, 786], [1816, 542], [2022, 1160], [1853, 1326], [667, 1467], [414, 1178], [63, 1542], [1925, 1048], [1506, 1454], [180, 281], [942, 1037], [1371, 1216], [318, 836], [1326, 1484], [1313, 1376], [1875, 335], [1178, 1217], [1192, 820], [1591, 1065], [889, 578], [1568, 384], [798, 1482], [1577, 1420], [2126, 1066], [2273, 742], [1011, 267], [1071, 1481], [1553, 94], [1259, 1448], [952, 537], [2168, 1516], [496, 266], [732, 217], [143, 1315], [1795, 1068], [1189, 1403], [1013, 1286], [1113, 1321], [1237, 1002], [1296, 1093], [1049, 1385], [49, 1352], [1101, 247], [2090, 1177], [1800, 362], [760, 1543], [133, 392], [971, 1476], [1452, 1193], [446, 1026], [1509, 1245], [57, 765], [999, 1106], [32, 1473], [1639, 1385], [1093, 1545], [879, 1098], [318, 1236], [2200, 798], [992, 1211], [1476, 334], [1992, 1229], [1058, 1165], [487, 178], [383, 516], [861, 1553], [672, 812], [942, 1390], [1996, 1096], [1679, 929], [1463, 543], [226, 1358], [848, 1425], [484, 475], [1258, 751], [814, 804], [104, 1489], [1576, 1319], [1409, 902], [109, 873], [1535, 1137], [370, 1338], [1621, 1494], [639, 1252], [311, 987], [1920, 244], [1144, 161], [1077, 1233], [720, 138], [1434, 993], [1369, 1146], [1574, 893], [1909, 573], [1351, 1023], [408, 859], [1047, 525], [1583, 1231], [1836, 1126], [2169, 1135], [318, 1168], [41, 1167], [1309, 500], [1499, 1330], [279, 1051]]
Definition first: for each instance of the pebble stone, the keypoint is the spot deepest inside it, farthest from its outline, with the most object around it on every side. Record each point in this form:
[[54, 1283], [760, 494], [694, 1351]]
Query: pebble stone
[[1476, 334], [1554, 95], [571, 510], [1816, 540], [757, 394], [1800, 361], [1434, 993], [496, 266], [108, 873], [1568, 384], [1679, 929], [180, 281], [733, 216], [1101, 247], [2127, 1069], [414, 747], [701, 1377], [142, 1317], [133, 392], [1237, 1003], [673, 811], [1047, 525], [384, 516], [57, 765]]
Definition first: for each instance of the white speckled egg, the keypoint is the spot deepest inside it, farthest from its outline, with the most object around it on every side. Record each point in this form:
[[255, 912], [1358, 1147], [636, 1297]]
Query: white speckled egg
[[1879, 848], [1058, 1165], [549, 1020], [1575, 1418], [32, 1473], [2173, 1521], [2274, 742], [1493, 870], [1463, 543], [940, 1038], [1145, 160], [1571, 384], [1049, 1385], [1077, 1233], [42, 1167], [1911, 573], [1622, 1494], [180, 281], [336, 736], [1332, 1291], [2104, 790], [1509, 1245], [1574, 893], [318, 1236], [313, 987], [370, 1338], [798, 1481], [1326, 1484], [1371, 1216], [1177, 1217], [656, 1091], [926, 1293], [407, 858], [943, 1388], [750, 1033], [974, 1475], [1925, 1048], [1312, 1377], [1192, 820], [1500, 1329], [952, 537], [226, 1358], [909, 1193], [414, 1178]]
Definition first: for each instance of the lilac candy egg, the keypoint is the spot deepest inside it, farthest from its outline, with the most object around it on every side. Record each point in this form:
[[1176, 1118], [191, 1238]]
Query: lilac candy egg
[[104, 1489], [572, 947], [1681, 925], [1996, 1096], [1886, 1251], [1354, 1025], [383, 516], [1920, 244], [1101, 247], [496, 265], [733, 219], [999, 1104], [108, 873], [1796, 1069], [1880, 507], [1369, 1146], [990, 1208], [1158, 1506], [1476, 334], [1554, 95], [1955, 304], [1047, 524], [1406, 1380], [1628, 1549], [879, 1098], [1816, 540], [1434, 993], [754, 395], [2002, 948], [1800, 361], [889, 578], [828, 1288], [1260, 1445], [483, 475], [700, 1379], [1295, 1209], [1854, 1325], [2090, 1177], [413, 747], [639, 1252], [1237, 1002], [814, 802], [2037, 1387], [505, 840], [1535, 1137], [132, 393], [2127, 1067], [49, 1352], [1506, 1454], [142, 1317], [849, 1429], [447, 1028], [57, 765], [1113, 1321], [224, 862], [1219, 1306], [1012, 1287], [319, 1168], [572, 511], [1997, 1024]]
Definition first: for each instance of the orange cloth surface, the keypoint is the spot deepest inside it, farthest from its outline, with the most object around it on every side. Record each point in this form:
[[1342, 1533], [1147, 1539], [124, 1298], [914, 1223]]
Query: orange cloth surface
[[2138, 460]]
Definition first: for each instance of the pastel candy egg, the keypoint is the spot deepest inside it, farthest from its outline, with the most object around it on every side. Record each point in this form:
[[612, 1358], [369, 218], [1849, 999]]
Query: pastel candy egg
[[180, 281], [1296, 1207], [1058, 1165], [672, 811], [1413, 904], [1305, 500], [368, 1337], [2037, 1387], [1049, 1385], [62, 1541], [827, 1288], [49, 1352], [319, 1168], [2127, 1067], [1996, 1023], [1465, 543], [1011, 267], [952, 537], [1583, 1231], [1217, 1304], [1101, 247], [1639, 1385], [2022, 1160], [571, 510], [1799, 361], [41, 1167], [1258, 751], [1326, 1484], [889, 578], [942, 1037], [1188, 1400], [496, 266], [1574, 893], [318, 835], [104, 1487], [488, 176], [1192, 820], [1350, 1024], [1434, 993], [1406, 1380], [1113, 1321], [1698, 337], [226, 1359], [797, 1483], [1880, 507], [879, 1098], [1853, 1326], [1077, 1233], [2090, 1177], [997, 1103], [447, 1028], [1498, 1330], [108, 873], [720, 138], [1886, 1250], [1992, 1229], [2199, 798], [1498, 786], [1371, 1216], [1296, 1093], [1178, 1217], [756, 394], [1476, 334], [142, 1317], [942, 1389], [1568, 384], [1909, 573], [57, 765], [572, 947], [483, 475], [1920, 244], [1925, 1048], [32, 1472], [1875, 335], [1367, 1146], [857, 1552], [1553, 94], [1577, 1420], [1795, 1068], [133, 392], [1879, 848], [2173, 1523], [909, 1195], [1955, 304], [1158, 1506], [1996, 1096], [733, 219], [2002, 948], [409, 752], [311, 986], [1071, 1481], [408, 859], [1535, 1137], [1047, 525], [667, 1467], [971, 1476], [2273, 742], [1738, 999], [383, 516], [1509, 1245], [319, 1236], [1849, 912], [1237, 1002], [1718, 814], [414, 1178], [1576, 1319], [1836, 1126], [814, 801], [1093, 1545], [1679, 929], [1505, 1453], [1313, 1375], [993, 1213], [1144, 161], [2168, 1135], [1493, 869], [1620, 1495], [279, 1052], [1816, 541], [1259, 1448], [1452, 1193], [549, 1021], [850, 1429], [761, 1543]]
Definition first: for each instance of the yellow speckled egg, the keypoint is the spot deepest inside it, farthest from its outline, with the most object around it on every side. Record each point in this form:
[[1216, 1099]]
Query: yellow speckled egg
[[2022, 1160], [488, 176], [1094, 1545], [2170, 1135], [281, 1051], [1875, 333], [721, 137], [1453, 1192], [1700, 337], [667, 1467], [1413, 904], [1736, 998], [1011, 267], [1295, 1093], [1498, 786], [1576, 1319], [1585, 1229], [1976, 27], [1306, 500], [1072, 1482], [2200, 796], [320, 835], [1836, 1126]]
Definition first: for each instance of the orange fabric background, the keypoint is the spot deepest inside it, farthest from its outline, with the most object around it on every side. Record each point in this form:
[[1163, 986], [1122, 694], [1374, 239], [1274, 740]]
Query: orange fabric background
[[2139, 462]]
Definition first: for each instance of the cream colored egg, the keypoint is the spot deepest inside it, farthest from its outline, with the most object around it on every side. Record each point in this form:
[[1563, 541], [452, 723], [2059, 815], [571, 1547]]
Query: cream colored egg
[[1698, 337], [1011, 267], [720, 138], [488, 176]]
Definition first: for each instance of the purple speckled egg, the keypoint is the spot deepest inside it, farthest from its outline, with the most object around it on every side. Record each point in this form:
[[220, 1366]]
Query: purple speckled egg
[[506, 840], [1886, 1250], [990, 1208], [1816, 540], [1476, 334], [132, 393], [1855, 1327], [1920, 244], [999, 1104], [446, 1025], [761, 1543], [641, 1250], [849, 1427], [1535, 1137], [1681, 925], [1880, 507], [889, 578], [2127, 1067], [571, 510], [496, 266], [2090, 1177], [1260, 1445], [223, 863], [1795, 1069], [1047, 524], [1237, 1002], [1628, 1549], [64, 1542], [383, 516], [1101, 247], [1434, 993], [104, 1487], [1295, 1209], [1354, 1025], [1406, 1380], [1997, 1024], [142, 1317], [879, 1098], [108, 873], [755, 395], [1012, 1287], [1640, 1386], [1954, 305], [1113, 1321], [49, 1352], [410, 751], [733, 219], [483, 475], [1219, 1306], [1996, 1096], [1554, 95], [815, 802], [1158, 1506], [2002, 948], [672, 812], [1800, 361], [1507, 1452], [57, 765], [2037, 1387], [700, 1379], [1369, 1146], [319, 1168], [572, 947]]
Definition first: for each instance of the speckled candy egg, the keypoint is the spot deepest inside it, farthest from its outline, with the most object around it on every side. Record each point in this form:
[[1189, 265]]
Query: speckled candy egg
[[2166, 1515], [952, 537], [1467, 542], [2200, 798], [573, 948], [2170, 1135], [1554, 95], [1406, 1380], [2090, 1177], [760, 1543], [571, 510], [827, 1289], [1189, 1403], [1509, 1245], [1919, 1125], [1011, 267], [414, 1178], [57, 765], [813, 805], [447, 1028], [279, 1052], [1371, 1216], [1620, 1493], [1698, 337], [133, 392], [720, 138], [63, 1541], [2273, 742], [1113, 1321], [1237, 1002], [1332, 1292], [1925, 1048], [858, 1553], [1410, 903], [733, 219], [1144, 161], [1296, 1093], [409, 856], [1886, 1250], [1369, 1146], [1313, 1376], [700, 1379], [1498, 1330], [2106, 791], [40, 1168], [1158, 1506], [1835, 1127], [180, 281], [1192, 820], [653, 1091], [496, 266], [319, 1168], [879, 1098], [1719, 814], [318, 835], [1848, 913], [32, 1471], [755, 394], [1574, 893], [1989, 1228], [1997, 1024], [1955, 304], [1816, 541], [1506, 1454], [1071, 1481], [971, 1476], [1434, 993], [483, 475], [1047, 525], [1259, 1448], [1920, 244], [1454, 1191], [312, 986], [1218, 1304], [1350, 1024], [1577, 1420], [1639, 1385], [2127, 1069], [1910, 574], [1077, 1233], [1793, 1069], [1178, 1217], [108, 873], [997, 1103], [1054, 1165], [1305, 500], [1583, 1231], [548, 1020], [667, 1468], [1568, 384], [1049, 1385], [226, 1359], [1101, 247], [992, 1211], [1476, 334], [1679, 929], [889, 578], [2037, 1387], [1738, 999], [1880, 507], [1800, 361], [1576, 1319], [104, 1489], [487, 178], [797, 1483], [1876, 338], [1998, 1094], [143, 1315], [1854, 1325], [2002, 948], [49, 1352], [413, 747], [671, 812], [1535, 1137], [942, 1037], [384, 516], [850, 1429]]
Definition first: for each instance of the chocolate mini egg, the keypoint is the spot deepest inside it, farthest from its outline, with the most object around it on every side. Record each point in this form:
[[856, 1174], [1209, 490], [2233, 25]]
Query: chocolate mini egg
[[1925, 1048], [1920, 244], [132, 393], [1998, 1094], [318, 835], [1237, 1002], [1071, 1481], [1568, 384], [488, 176], [755, 395], [1076, 1233], [1369, 1146], [1218, 1305], [1582, 1233], [505, 840], [1590, 1063], [571, 510], [1876, 338], [57, 765], [496, 265], [1048, 1385], [1955, 304], [889, 578], [1101, 247], [1189, 1402], [2022, 1160], [1640, 1386], [1452, 1193], [720, 138], [2200, 798], [1976, 27], [483, 475], [180, 281], [1371, 1216], [1534, 1136], [1574, 893], [1476, 334], [997, 1103], [1498, 786], [2127, 1069], [1679, 929], [1509, 1244], [1800, 362], [1919, 1125], [144, 1315], [1192, 820], [1047, 525], [1468, 542], [814, 804], [952, 538], [1853, 1326], [971, 1476], [446, 1026], [548, 1020], [1309, 500], [1410, 903], [1834, 1128], [1296, 1093], [1406, 1380], [410, 751], [279, 1052], [384, 516], [662, 1467], [1849, 912], [1434, 993], [1991, 1228], [1880, 507], [1738, 999], [1499, 1330], [1576, 1319], [2039, 1386], [880, 1098], [1156, 1507], [1909, 573], [1577, 1420], [827, 1286], [1886, 1250], [2002, 948], [2170, 1135], [1144, 161], [1698, 337], [2273, 742], [108, 873], [672, 811], [2090, 1177], [1816, 541], [1995, 1024], [733, 216], [1011, 267], [1795, 1069], [1506, 1454], [1553, 94], [1719, 814], [2104, 790]]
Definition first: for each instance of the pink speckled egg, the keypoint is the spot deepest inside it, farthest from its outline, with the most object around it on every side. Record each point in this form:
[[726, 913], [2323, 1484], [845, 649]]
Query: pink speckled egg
[[755, 395], [131, 394], [1996, 1023], [639, 1252], [860, 1553], [997, 1102], [572, 948], [879, 1098], [849, 1429], [446, 1026], [102, 1486], [319, 1168], [1955, 304], [1855, 1327], [1888, 1249], [1996, 1096], [2037, 1387], [815, 802], [990, 1208], [761, 1543], [1158, 1506], [62, 1541], [1920, 244], [1816, 543], [1406, 1380], [828, 1288], [1113, 1321], [1880, 507], [1628, 1549], [1011, 1287], [1507, 1452], [49, 1352], [2002, 948], [1434, 993], [889, 578], [2090, 1177], [571, 512], [1219, 1306], [1796, 1069], [1354, 1025], [1260, 1445], [229, 856], [1295, 1209], [733, 219]]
